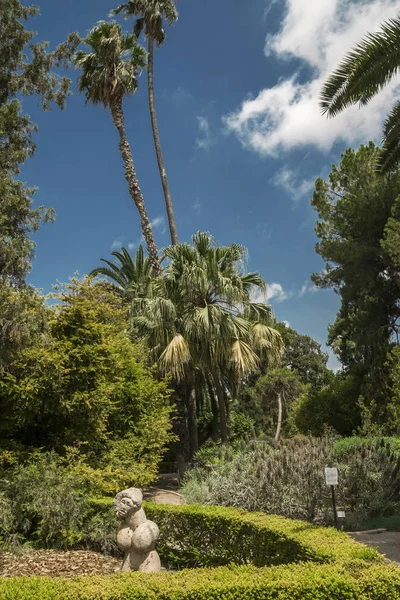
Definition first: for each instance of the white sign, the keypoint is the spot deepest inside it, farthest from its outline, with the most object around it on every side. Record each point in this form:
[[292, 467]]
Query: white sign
[[331, 476], [341, 514]]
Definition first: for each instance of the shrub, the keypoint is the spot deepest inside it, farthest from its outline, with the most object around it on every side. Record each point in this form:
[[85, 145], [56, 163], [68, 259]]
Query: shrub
[[87, 385], [294, 582], [289, 480], [46, 502], [337, 567]]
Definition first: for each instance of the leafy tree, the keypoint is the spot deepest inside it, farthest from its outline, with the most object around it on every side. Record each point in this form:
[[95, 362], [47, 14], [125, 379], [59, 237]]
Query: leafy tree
[[150, 16], [26, 69], [362, 74], [272, 397], [109, 73], [87, 385], [304, 355], [334, 406], [357, 222]]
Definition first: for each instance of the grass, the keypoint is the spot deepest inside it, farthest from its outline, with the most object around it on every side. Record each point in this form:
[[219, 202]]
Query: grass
[[389, 523]]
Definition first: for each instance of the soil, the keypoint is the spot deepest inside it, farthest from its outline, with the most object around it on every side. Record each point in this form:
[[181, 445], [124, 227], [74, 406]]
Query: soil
[[53, 563], [163, 496]]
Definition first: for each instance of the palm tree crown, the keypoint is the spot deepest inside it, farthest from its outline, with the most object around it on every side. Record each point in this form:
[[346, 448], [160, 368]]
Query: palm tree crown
[[111, 69], [200, 321], [150, 16], [365, 71], [108, 74]]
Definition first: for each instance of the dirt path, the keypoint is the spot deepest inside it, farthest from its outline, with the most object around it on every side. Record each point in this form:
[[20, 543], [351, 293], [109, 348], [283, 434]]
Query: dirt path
[[387, 543], [162, 496]]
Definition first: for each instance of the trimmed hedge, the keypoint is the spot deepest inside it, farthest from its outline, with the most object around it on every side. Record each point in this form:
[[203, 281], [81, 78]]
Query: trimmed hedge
[[295, 582], [200, 536], [324, 564]]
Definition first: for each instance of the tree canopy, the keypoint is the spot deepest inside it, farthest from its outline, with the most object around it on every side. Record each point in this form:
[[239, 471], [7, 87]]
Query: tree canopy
[[357, 240]]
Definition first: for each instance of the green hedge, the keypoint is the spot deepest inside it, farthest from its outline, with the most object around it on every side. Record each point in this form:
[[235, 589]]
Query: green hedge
[[324, 564], [294, 582], [199, 536]]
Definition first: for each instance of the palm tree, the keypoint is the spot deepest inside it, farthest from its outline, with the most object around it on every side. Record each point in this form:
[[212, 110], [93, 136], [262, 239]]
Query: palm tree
[[200, 322], [109, 73], [150, 15], [131, 278], [364, 72], [206, 330]]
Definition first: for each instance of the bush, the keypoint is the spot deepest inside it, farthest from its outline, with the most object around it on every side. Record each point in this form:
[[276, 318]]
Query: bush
[[337, 566], [294, 582], [289, 480], [343, 446], [47, 503]]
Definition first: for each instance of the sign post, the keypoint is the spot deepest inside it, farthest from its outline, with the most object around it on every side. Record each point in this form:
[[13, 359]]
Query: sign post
[[331, 478]]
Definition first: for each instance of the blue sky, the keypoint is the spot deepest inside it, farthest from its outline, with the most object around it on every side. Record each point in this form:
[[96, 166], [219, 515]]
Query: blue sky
[[236, 92]]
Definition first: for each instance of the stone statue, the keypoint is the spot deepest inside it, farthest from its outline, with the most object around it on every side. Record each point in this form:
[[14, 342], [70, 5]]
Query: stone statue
[[136, 535]]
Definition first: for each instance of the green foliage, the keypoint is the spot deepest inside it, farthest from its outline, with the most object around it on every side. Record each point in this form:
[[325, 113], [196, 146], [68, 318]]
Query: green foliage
[[289, 480], [26, 69], [149, 16], [295, 582], [344, 445], [335, 566], [200, 322], [46, 502], [305, 356], [110, 70], [23, 318], [85, 389], [390, 523], [333, 406], [356, 209]]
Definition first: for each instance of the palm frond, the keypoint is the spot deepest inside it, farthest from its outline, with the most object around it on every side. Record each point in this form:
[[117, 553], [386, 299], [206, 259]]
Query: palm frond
[[243, 358], [370, 66], [175, 357]]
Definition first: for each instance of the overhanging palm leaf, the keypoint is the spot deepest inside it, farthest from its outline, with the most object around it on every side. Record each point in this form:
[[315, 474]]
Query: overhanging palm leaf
[[365, 71]]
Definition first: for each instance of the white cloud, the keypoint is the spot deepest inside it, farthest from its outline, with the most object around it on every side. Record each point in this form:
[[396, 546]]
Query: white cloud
[[276, 293], [158, 224], [180, 96], [117, 244], [307, 288], [197, 206], [286, 323], [133, 246], [289, 180], [287, 115], [205, 139]]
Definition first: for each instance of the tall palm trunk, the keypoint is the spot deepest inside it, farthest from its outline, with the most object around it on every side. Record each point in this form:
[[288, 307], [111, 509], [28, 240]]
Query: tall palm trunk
[[214, 410], [133, 184], [191, 406], [157, 144], [223, 424]]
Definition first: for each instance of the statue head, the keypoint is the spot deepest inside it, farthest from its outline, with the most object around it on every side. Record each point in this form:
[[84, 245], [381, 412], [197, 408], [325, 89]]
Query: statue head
[[127, 502]]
